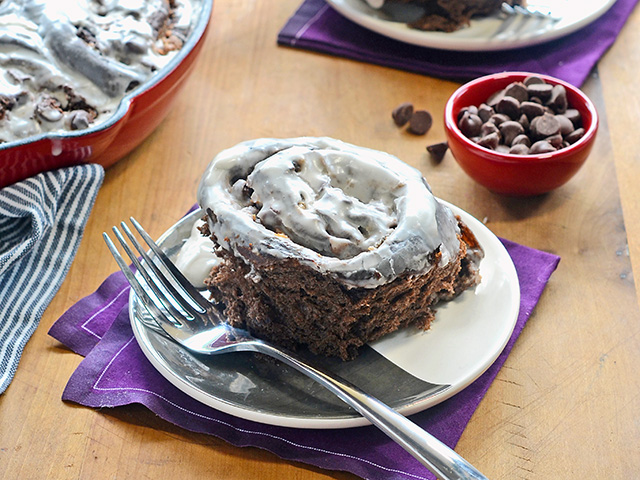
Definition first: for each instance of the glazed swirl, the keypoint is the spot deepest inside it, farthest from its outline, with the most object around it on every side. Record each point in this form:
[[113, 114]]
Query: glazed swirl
[[358, 214]]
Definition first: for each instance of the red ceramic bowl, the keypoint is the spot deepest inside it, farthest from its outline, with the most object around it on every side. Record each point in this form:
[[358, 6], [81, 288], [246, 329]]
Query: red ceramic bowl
[[137, 115], [517, 175]]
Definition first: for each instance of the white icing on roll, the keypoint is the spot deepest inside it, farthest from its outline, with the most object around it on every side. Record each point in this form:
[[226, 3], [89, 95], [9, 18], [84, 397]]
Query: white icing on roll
[[358, 214], [196, 257], [96, 49]]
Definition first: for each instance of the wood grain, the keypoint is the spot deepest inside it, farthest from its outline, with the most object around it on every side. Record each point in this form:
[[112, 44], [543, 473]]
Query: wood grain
[[564, 406]]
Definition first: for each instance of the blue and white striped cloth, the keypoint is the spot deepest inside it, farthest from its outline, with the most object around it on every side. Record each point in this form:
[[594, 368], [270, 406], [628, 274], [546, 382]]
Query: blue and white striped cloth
[[42, 220]]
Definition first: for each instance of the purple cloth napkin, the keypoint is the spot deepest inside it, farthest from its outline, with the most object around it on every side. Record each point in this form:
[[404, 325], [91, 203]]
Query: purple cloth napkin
[[115, 372], [317, 26]]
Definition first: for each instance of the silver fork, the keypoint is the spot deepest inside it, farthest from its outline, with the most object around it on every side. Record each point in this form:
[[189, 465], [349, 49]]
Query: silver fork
[[519, 21], [197, 324]]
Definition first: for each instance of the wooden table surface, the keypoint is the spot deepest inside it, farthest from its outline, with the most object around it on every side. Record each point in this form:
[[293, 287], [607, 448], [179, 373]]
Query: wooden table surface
[[567, 402]]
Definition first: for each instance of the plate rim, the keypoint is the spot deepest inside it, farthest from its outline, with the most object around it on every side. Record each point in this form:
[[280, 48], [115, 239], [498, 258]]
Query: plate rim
[[447, 41], [141, 333]]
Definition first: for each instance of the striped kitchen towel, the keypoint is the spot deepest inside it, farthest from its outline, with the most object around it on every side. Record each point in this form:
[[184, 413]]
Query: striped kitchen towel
[[41, 223]]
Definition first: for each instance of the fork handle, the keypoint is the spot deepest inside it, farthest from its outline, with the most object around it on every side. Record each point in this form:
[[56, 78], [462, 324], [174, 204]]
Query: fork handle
[[441, 460]]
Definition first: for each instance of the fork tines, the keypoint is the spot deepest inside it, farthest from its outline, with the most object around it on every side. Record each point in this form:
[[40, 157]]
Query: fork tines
[[522, 21], [528, 11], [164, 291]]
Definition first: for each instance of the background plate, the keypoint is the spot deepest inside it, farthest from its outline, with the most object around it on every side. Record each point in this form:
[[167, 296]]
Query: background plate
[[481, 34], [409, 371]]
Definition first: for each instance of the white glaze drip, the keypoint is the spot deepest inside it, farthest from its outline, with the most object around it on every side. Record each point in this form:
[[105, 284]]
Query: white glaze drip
[[196, 257]]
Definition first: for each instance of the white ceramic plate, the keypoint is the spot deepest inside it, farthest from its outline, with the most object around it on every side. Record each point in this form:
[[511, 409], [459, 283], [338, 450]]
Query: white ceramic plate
[[410, 370], [484, 33]]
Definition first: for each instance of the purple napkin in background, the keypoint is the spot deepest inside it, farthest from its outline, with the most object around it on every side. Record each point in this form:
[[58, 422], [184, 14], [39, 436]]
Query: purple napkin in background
[[317, 26], [115, 372]]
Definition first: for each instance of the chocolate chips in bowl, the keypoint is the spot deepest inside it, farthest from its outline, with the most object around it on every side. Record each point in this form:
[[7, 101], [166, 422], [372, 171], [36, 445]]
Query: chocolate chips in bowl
[[520, 133], [526, 117]]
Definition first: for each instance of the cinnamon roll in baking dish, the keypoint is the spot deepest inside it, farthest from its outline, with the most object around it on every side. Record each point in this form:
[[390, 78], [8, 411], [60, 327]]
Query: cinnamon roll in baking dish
[[67, 65], [327, 245]]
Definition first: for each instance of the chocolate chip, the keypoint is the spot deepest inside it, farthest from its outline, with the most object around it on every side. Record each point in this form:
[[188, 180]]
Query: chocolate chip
[[532, 79], [575, 117], [519, 149], [402, 113], [499, 118], [298, 165], [540, 90], [247, 192], [134, 45], [574, 136], [437, 151], [157, 20], [555, 141], [490, 141], [510, 130], [517, 90], [470, 124], [420, 122], [488, 128], [6, 104], [531, 109], [524, 121], [541, 146], [86, 35], [469, 108], [521, 140], [545, 126], [566, 125], [49, 110], [558, 100], [79, 120], [509, 106], [485, 112]]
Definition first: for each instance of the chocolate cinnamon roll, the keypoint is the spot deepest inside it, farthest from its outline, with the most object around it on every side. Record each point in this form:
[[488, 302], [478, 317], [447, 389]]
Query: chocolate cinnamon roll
[[328, 246]]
